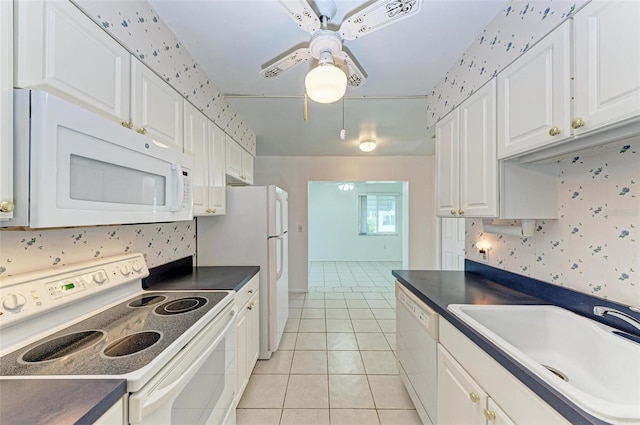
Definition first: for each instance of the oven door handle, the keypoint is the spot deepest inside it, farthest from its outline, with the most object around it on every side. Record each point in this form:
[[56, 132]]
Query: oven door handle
[[177, 374]]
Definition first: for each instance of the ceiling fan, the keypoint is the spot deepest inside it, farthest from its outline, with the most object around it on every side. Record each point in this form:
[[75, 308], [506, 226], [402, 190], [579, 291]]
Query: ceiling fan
[[326, 45]]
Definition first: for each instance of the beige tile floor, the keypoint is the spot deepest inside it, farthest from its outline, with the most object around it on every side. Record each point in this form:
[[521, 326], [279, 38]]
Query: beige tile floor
[[336, 363]]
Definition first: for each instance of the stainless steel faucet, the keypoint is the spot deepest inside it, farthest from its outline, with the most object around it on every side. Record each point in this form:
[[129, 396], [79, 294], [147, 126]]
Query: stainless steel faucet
[[602, 311]]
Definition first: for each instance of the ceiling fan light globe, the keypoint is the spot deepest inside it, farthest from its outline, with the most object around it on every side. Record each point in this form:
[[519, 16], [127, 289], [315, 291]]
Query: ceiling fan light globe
[[326, 84]]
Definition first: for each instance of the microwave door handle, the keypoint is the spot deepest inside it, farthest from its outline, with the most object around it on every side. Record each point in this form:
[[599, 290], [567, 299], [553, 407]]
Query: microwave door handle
[[177, 168], [149, 402]]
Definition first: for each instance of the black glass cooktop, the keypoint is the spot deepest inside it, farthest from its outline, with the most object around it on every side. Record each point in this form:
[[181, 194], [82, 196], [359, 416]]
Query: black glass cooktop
[[117, 341]]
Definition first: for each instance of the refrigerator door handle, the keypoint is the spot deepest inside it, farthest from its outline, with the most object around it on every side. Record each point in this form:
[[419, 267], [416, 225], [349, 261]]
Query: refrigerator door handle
[[280, 268]]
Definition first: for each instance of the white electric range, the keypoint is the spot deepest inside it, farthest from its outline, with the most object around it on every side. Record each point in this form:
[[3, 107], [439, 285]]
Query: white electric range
[[176, 349]]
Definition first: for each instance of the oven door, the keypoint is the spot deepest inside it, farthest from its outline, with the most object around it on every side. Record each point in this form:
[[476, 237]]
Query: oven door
[[198, 385]]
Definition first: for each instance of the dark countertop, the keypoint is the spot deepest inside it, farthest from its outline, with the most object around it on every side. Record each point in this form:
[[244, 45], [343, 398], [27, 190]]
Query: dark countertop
[[230, 278], [438, 289], [57, 401]]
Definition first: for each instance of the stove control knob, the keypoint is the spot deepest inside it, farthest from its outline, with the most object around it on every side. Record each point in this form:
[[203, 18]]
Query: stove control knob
[[99, 277], [137, 267], [14, 302], [125, 270]]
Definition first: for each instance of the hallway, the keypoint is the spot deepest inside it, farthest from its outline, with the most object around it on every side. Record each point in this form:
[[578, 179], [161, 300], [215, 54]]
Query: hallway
[[336, 363]]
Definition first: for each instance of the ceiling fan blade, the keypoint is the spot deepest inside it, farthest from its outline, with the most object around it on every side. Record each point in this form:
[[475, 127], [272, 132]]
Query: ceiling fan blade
[[378, 15], [286, 63], [302, 14], [355, 76]]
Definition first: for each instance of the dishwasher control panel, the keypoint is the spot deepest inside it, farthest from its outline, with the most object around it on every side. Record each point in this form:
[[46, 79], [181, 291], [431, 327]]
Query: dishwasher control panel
[[421, 311]]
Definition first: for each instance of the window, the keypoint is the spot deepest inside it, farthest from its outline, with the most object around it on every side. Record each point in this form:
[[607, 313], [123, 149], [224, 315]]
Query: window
[[378, 213]]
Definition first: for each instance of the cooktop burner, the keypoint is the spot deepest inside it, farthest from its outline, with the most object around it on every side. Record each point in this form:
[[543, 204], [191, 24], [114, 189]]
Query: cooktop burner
[[116, 341], [180, 306]]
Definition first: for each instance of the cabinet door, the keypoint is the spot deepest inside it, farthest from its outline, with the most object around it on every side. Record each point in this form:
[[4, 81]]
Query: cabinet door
[[607, 58], [447, 173], [6, 110], [534, 96], [247, 167], [495, 415], [115, 415], [195, 143], [242, 371], [217, 175], [58, 48], [156, 108], [233, 158], [460, 398], [253, 334], [478, 155]]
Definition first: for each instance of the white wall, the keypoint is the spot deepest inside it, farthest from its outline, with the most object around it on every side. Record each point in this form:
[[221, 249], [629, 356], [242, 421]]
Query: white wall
[[294, 173], [334, 224]]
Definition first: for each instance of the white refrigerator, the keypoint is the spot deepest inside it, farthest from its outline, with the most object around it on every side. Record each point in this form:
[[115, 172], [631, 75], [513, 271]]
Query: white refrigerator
[[253, 233]]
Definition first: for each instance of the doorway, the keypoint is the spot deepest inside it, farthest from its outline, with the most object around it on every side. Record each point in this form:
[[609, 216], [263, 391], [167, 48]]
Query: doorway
[[358, 221]]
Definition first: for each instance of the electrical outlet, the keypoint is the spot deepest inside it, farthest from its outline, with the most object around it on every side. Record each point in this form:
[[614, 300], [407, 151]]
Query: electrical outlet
[[484, 255]]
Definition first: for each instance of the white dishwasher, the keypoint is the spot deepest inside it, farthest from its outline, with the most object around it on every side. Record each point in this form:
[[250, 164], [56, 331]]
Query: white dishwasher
[[417, 345]]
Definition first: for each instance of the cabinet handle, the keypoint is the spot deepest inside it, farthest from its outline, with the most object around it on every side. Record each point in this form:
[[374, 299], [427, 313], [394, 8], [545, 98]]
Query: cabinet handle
[[454, 212], [460, 212], [7, 206], [554, 131], [142, 130], [474, 397], [250, 306], [127, 124], [489, 415], [213, 211], [250, 291], [577, 123]]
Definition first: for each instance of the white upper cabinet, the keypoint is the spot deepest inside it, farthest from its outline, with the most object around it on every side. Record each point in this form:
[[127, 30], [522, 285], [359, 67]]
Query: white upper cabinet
[[196, 140], [607, 64], [217, 173], [466, 165], [205, 141], [478, 164], [62, 51], [534, 94], [239, 163], [156, 108], [447, 160], [7, 202]]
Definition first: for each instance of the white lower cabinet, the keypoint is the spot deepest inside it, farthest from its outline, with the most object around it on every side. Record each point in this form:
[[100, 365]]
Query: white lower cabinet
[[473, 388], [248, 333], [116, 415], [461, 400]]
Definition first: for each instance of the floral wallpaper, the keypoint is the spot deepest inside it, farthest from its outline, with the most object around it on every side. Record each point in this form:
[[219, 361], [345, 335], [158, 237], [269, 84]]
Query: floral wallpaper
[[29, 250], [136, 25], [594, 246], [512, 32]]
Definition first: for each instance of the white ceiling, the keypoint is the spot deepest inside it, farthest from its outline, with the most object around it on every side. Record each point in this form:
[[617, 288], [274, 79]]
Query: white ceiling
[[234, 39]]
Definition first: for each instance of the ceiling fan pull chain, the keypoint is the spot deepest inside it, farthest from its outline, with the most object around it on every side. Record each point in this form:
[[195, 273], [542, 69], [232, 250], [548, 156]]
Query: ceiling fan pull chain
[[343, 132], [304, 109]]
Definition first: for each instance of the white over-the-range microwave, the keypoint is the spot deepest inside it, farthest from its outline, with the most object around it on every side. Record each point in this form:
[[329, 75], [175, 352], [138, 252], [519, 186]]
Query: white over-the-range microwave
[[73, 167]]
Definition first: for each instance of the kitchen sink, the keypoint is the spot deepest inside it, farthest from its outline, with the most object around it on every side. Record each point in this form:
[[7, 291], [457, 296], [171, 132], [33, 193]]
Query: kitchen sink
[[582, 359]]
